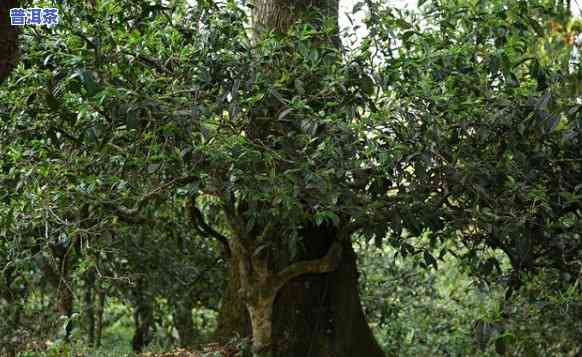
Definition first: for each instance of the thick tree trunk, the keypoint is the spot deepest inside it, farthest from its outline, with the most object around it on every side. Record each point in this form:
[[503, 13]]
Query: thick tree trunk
[[323, 316], [261, 315], [313, 315], [279, 15], [8, 39]]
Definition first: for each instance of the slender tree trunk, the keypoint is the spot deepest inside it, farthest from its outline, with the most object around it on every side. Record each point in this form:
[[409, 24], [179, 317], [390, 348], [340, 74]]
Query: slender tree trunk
[[66, 301], [143, 317], [89, 302], [183, 322], [59, 277], [14, 305], [8, 39], [101, 295]]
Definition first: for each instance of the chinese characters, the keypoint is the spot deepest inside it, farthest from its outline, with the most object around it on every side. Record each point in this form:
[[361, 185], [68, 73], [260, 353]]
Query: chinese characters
[[34, 16]]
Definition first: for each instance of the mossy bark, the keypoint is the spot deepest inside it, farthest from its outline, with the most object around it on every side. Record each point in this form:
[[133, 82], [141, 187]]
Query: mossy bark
[[261, 315], [233, 319]]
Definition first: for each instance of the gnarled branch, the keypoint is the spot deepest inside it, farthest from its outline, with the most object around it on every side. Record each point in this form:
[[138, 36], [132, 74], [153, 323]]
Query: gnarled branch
[[326, 264], [204, 228]]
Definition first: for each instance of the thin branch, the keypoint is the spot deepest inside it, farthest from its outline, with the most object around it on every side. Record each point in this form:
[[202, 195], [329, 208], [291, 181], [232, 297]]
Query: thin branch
[[91, 44], [131, 214], [149, 61], [65, 134], [204, 228]]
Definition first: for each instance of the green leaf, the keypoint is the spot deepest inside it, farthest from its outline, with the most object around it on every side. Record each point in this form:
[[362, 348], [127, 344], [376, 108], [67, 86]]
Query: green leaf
[[536, 26], [330, 216], [429, 260], [153, 167], [89, 82], [403, 24]]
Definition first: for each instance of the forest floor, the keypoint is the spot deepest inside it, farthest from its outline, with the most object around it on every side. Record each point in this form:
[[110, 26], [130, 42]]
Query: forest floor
[[213, 349]]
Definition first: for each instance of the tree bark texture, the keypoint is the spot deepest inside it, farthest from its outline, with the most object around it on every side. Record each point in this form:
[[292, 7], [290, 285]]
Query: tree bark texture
[[279, 15], [261, 315], [233, 319], [8, 39], [316, 315], [321, 315]]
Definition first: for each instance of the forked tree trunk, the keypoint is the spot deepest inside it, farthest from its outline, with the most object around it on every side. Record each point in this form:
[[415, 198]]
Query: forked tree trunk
[[260, 285], [315, 315]]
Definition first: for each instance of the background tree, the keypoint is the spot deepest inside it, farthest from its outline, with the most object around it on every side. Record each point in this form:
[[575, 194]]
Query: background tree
[[8, 39]]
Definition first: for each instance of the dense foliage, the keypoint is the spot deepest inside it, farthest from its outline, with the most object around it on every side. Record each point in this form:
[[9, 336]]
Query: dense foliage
[[144, 145]]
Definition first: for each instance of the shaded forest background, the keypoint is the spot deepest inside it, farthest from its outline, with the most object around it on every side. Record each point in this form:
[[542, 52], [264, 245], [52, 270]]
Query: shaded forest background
[[250, 179]]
